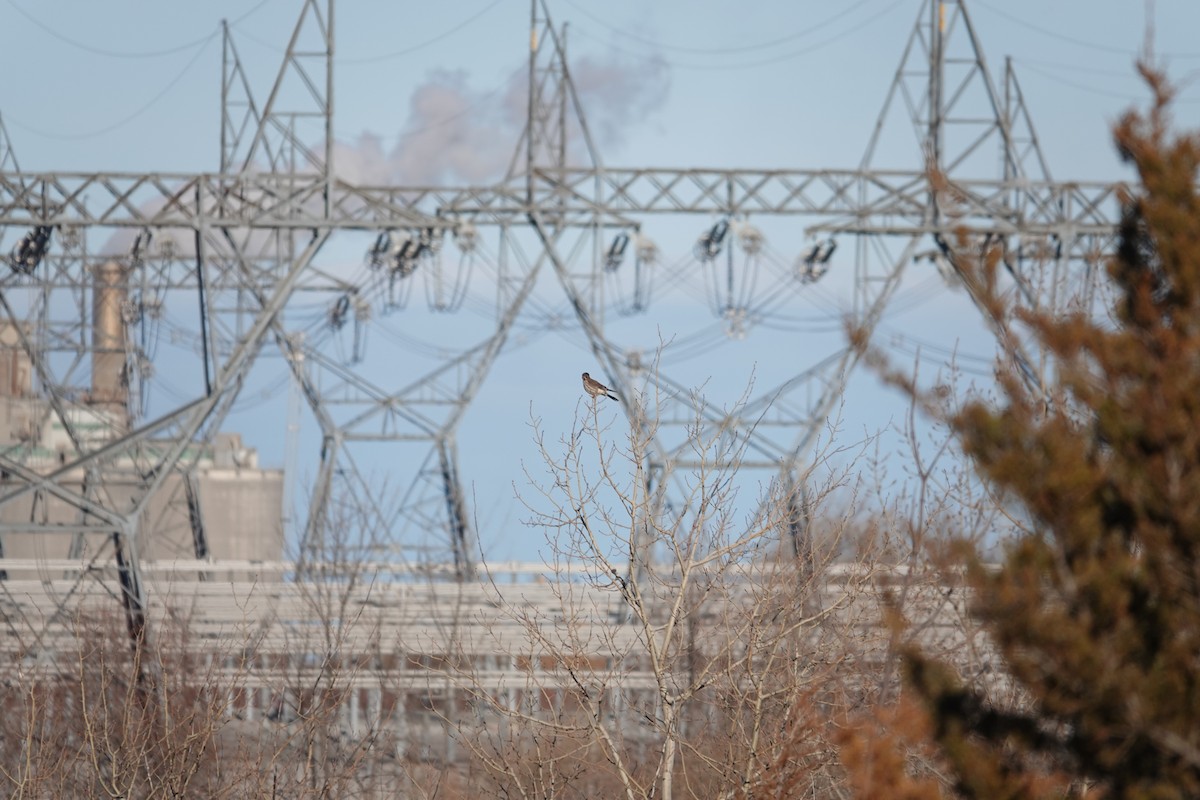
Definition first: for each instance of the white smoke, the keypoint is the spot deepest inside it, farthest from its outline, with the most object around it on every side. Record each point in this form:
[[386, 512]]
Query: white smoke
[[617, 96], [456, 134]]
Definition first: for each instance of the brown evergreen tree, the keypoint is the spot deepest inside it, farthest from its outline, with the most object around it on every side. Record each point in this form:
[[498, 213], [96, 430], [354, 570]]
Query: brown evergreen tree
[[1096, 611]]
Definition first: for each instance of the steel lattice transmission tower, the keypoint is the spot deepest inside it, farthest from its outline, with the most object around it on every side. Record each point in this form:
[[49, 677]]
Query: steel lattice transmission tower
[[240, 250]]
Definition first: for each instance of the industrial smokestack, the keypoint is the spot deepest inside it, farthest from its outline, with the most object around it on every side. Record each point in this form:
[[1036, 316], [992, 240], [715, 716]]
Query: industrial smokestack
[[16, 371], [110, 384]]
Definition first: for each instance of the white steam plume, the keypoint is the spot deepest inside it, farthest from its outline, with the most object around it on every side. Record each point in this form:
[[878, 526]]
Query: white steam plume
[[457, 135]]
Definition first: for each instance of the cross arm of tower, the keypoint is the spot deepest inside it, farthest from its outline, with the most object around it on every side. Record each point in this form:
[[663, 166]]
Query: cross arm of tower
[[164, 200], [871, 201], [858, 200]]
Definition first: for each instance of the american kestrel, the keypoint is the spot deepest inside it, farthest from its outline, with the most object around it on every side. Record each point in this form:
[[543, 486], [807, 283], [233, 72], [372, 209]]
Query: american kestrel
[[595, 388]]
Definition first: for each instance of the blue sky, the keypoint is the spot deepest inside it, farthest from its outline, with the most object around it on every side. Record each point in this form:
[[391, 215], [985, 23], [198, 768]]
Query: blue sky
[[425, 92], [734, 98]]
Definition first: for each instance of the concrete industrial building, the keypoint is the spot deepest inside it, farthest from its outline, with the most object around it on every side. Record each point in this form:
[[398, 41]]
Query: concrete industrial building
[[226, 507]]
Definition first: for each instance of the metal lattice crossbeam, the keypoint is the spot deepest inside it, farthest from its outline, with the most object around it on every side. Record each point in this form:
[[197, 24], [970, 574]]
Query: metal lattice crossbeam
[[865, 201], [858, 201]]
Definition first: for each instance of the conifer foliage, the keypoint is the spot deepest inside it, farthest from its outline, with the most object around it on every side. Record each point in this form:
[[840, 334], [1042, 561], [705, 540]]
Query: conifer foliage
[[1096, 610]]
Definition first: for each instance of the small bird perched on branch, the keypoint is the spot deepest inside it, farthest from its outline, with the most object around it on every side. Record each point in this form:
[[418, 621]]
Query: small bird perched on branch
[[595, 388]]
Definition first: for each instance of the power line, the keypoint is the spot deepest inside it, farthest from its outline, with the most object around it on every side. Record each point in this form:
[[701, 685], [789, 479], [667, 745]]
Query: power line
[[718, 50], [126, 120], [101, 51], [1104, 48], [761, 62], [421, 45], [243, 17], [342, 60], [1046, 70], [1083, 87], [1077, 67]]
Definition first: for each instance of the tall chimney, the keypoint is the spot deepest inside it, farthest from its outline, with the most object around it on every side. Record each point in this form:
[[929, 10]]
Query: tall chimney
[[110, 384], [16, 371]]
